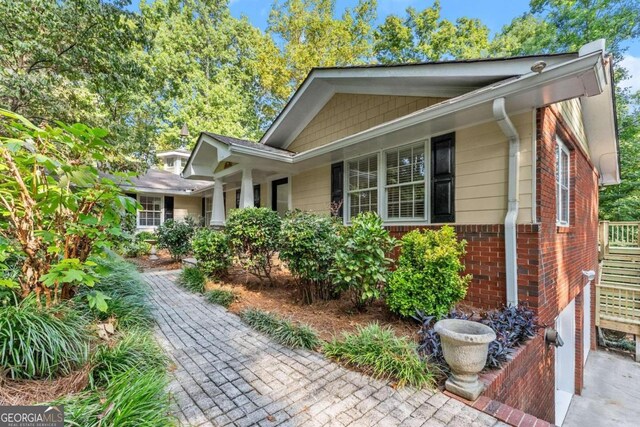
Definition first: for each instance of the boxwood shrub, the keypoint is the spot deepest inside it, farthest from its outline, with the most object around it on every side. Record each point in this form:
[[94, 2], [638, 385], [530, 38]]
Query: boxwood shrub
[[211, 250], [428, 275]]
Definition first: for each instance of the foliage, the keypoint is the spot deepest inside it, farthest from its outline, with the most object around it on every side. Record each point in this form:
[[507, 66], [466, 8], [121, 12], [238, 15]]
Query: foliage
[[428, 275], [127, 293], [282, 330], [79, 67], [425, 36], [513, 327], [254, 234], [361, 262], [211, 250], [308, 246], [132, 398], [41, 342], [135, 348], [58, 209], [381, 353], [175, 236], [134, 248], [220, 296], [192, 279]]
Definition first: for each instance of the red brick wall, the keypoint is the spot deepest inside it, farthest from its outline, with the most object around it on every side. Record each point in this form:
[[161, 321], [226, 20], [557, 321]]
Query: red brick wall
[[485, 260], [526, 382]]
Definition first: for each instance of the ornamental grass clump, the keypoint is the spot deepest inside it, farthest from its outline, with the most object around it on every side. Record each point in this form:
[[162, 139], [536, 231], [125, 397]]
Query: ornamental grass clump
[[308, 246], [380, 353], [38, 342], [192, 279], [284, 331], [428, 276], [220, 296]]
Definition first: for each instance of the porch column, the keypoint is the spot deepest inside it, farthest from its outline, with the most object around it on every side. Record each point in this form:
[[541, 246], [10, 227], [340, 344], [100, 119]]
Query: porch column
[[217, 214], [246, 189]]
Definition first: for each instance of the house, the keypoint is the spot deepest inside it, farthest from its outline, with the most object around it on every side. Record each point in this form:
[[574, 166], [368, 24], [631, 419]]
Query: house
[[163, 194], [511, 152]]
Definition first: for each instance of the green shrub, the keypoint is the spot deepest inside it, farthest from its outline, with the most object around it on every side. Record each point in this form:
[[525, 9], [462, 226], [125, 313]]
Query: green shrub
[[132, 398], [211, 250], [308, 246], [380, 353], [126, 291], [175, 236], [428, 275], [145, 235], [135, 349], [254, 236], [192, 279], [41, 342], [282, 330], [361, 263], [220, 296]]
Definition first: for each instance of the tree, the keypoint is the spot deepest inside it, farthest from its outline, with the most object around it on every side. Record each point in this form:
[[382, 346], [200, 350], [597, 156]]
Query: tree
[[73, 60], [58, 210], [308, 35], [425, 36]]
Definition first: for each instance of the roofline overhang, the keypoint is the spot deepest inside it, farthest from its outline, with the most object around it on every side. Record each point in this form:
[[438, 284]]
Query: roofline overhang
[[589, 65]]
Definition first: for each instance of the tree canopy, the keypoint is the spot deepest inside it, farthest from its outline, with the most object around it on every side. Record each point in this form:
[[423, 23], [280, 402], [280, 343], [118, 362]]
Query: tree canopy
[[143, 75]]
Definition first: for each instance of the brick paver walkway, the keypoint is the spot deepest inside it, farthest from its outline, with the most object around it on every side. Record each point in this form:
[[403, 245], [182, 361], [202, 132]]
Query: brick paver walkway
[[228, 374]]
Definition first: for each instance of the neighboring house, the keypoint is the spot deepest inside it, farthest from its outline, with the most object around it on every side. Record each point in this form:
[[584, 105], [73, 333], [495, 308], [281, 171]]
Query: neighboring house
[[164, 194], [511, 152]]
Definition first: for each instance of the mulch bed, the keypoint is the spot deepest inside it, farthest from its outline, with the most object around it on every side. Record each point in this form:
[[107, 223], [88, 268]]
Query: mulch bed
[[164, 261], [29, 392], [328, 318]]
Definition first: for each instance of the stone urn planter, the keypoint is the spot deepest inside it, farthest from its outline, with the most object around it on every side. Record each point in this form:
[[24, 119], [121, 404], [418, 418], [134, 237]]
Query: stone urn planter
[[465, 345], [152, 252]]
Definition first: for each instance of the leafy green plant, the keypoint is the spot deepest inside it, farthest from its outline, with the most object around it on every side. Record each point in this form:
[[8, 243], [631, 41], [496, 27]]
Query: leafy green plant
[[361, 262], [308, 245], [132, 398], [211, 250], [57, 210], [282, 330], [192, 279], [175, 236], [428, 275], [41, 342], [136, 348], [144, 235], [134, 246], [220, 296], [379, 352], [254, 234], [121, 283]]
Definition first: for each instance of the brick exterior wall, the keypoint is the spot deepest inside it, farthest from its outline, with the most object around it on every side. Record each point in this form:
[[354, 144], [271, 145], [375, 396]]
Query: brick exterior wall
[[550, 264]]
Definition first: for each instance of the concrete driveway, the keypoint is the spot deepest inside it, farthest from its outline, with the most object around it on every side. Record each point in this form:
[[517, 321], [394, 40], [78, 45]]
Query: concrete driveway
[[611, 394]]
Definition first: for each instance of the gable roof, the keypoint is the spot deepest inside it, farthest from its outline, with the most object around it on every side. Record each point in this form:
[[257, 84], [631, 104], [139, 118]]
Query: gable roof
[[161, 181], [447, 79], [246, 143]]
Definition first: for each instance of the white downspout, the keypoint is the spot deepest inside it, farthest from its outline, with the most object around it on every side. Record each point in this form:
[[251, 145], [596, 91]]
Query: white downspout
[[511, 258]]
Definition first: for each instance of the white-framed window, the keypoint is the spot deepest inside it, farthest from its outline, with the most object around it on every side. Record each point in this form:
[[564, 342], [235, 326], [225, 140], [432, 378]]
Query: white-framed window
[[362, 185], [562, 183], [151, 213], [405, 183]]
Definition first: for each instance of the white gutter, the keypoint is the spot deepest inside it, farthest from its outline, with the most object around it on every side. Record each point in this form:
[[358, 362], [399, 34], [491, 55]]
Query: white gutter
[[510, 247]]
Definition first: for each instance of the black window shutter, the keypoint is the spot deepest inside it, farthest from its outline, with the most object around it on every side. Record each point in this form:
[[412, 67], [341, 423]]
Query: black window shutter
[[256, 195], [168, 207], [442, 178], [238, 198], [337, 186], [204, 207]]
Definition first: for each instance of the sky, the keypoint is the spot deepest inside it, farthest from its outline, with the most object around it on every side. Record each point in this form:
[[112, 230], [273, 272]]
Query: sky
[[493, 13]]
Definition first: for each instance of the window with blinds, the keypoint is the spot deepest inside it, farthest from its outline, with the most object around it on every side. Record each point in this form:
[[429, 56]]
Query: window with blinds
[[363, 185], [405, 183]]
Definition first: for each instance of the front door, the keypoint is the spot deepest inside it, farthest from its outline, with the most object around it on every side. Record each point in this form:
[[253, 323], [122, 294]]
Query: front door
[[565, 361], [280, 195]]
